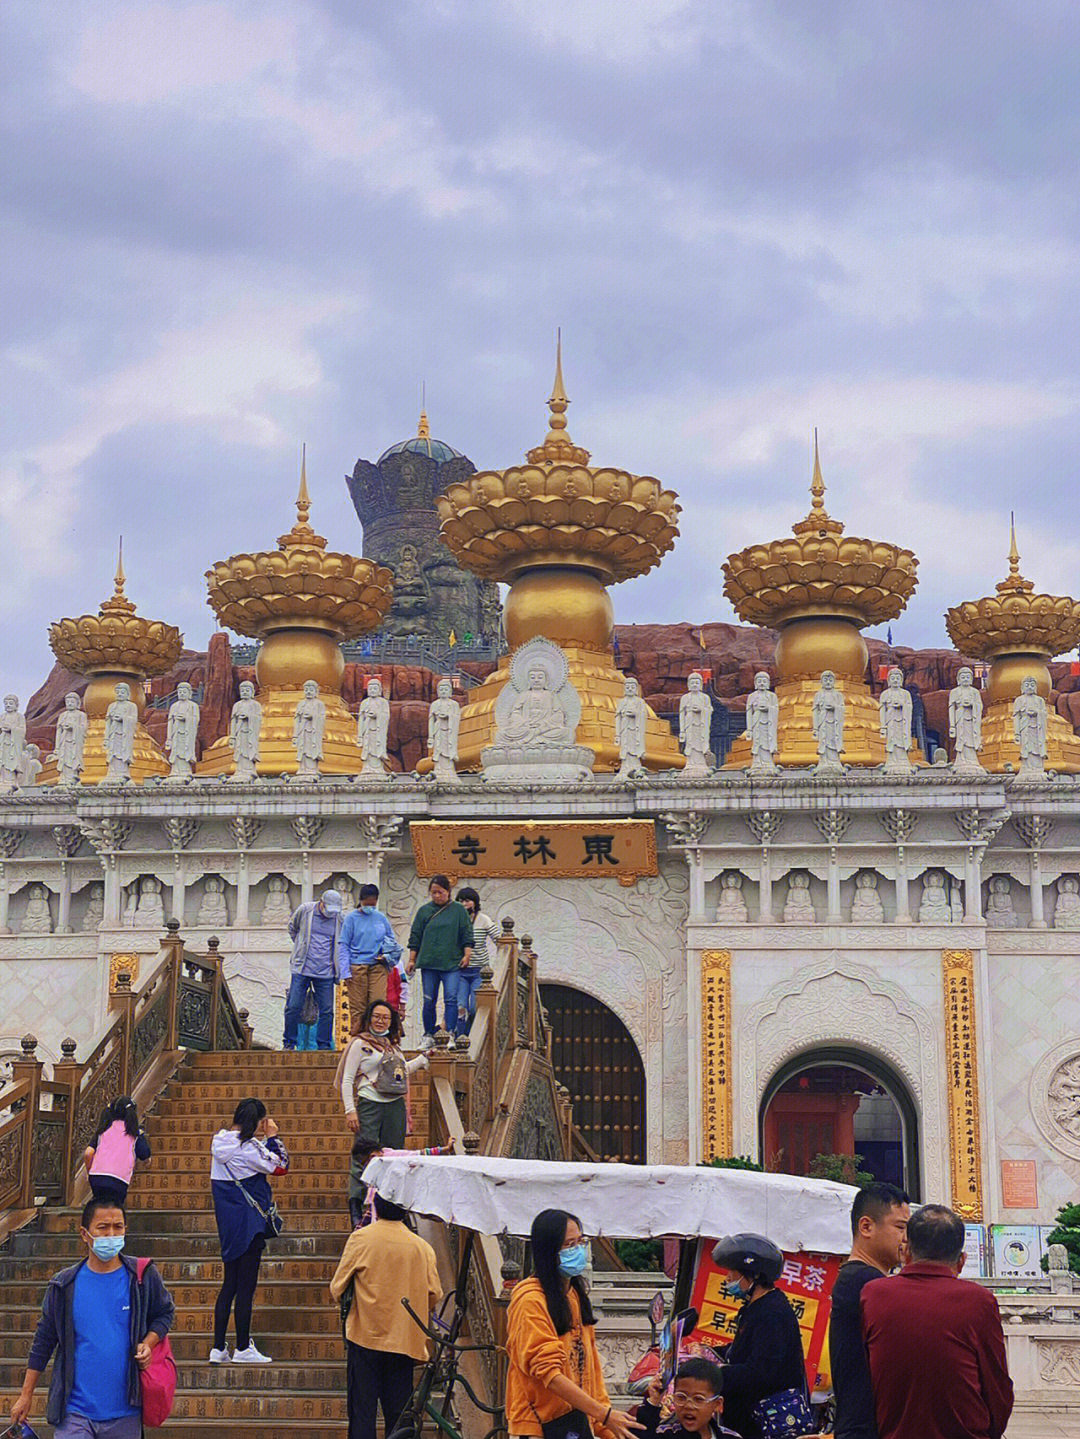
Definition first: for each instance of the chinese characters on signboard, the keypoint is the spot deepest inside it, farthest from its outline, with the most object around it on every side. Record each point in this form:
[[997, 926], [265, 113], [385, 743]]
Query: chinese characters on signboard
[[716, 1053], [622, 849], [963, 1083]]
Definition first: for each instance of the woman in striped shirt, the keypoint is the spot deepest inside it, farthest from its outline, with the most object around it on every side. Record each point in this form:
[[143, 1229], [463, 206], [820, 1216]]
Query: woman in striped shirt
[[467, 979]]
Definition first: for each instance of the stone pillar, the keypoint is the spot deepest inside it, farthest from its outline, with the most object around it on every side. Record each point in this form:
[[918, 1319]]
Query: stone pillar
[[972, 886], [765, 898], [1038, 916], [903, 890], [4, 899], [179, 889], [110, 918], [307, 882], [697, 885], [832, 884], [243, 890], [1034, 830], [63, 917]]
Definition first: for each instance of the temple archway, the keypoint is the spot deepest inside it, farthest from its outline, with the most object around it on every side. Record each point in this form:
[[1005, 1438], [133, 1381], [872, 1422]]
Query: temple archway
[[841, 1100], [594, 1055]]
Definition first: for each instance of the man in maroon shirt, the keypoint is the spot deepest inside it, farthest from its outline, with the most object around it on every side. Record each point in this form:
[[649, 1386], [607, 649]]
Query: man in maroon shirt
[[937, 1353]]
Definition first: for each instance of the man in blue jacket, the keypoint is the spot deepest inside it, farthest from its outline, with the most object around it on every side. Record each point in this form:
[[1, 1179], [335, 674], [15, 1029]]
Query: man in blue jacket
[[103, 1323], [315, 930], [367, 953]]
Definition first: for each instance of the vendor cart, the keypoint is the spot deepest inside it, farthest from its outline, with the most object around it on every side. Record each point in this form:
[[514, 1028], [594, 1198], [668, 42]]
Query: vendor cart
[[490, 1196]]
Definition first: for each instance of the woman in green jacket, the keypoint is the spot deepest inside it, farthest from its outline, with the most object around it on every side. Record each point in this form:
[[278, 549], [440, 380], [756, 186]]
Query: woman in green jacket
[[440, 943]]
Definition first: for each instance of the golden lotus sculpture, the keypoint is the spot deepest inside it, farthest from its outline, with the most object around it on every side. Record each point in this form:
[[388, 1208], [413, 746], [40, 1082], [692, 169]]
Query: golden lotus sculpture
[[820, 588], [1017, 631], [115, 646], [301, 600], [559, 531]]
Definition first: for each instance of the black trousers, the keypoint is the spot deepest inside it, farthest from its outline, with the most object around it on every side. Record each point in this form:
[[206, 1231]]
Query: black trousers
[[376, 1378], [239, 1285]]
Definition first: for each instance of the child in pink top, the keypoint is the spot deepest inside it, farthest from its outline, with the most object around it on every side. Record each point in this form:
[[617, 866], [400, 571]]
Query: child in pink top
[[361, 1195], [119, 1142]]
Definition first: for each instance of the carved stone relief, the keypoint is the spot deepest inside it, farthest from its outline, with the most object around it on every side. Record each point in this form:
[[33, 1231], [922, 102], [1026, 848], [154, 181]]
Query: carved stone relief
[[1055, 1096]]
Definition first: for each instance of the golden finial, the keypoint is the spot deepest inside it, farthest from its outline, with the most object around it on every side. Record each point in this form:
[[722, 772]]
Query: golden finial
[[120, 578], [817, 484], [1014, 580], [557, 443], [423, 429], [819, 518], [118, 602], [303, 499]]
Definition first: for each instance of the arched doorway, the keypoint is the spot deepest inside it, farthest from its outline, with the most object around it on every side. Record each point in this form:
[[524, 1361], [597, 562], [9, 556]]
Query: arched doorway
[[594, 1055], [841, 1100]]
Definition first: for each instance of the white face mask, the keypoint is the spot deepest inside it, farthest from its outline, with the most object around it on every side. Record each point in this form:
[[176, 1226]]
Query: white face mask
[[380, 1026]]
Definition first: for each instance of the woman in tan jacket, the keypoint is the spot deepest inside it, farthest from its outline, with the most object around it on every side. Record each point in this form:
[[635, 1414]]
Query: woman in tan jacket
[[555, 1387]]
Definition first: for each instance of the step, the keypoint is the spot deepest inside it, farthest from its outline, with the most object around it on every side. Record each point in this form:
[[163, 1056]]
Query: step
[[193, 1347], [287, 1317], [193, 1219], [274, 1407], [195, 1373], [207, 1270], [330, 1119], [61, 1249], [179, 1152]]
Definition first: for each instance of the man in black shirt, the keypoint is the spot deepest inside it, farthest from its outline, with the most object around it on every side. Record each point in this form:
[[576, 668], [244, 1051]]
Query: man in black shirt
[[879, 1220]]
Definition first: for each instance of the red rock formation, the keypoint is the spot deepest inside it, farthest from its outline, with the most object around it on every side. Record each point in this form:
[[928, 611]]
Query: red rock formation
[[220, 693]]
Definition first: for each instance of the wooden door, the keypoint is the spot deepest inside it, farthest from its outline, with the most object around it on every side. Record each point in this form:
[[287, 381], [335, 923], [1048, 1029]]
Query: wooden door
[[800, 1126], [594, 1055]]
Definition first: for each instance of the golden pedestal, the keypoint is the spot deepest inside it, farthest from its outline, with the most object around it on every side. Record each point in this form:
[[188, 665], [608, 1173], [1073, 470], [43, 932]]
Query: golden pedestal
[[277, 754]]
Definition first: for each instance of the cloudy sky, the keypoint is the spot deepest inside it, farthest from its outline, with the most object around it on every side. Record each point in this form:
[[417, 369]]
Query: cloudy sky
[[231, 227]]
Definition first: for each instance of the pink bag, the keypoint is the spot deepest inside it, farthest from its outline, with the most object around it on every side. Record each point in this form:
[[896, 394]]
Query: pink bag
[[158, 1379]]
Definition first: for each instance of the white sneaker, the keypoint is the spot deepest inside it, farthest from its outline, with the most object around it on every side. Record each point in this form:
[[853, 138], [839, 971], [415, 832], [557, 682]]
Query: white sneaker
[[428, 1042], [220, 1356], [250, 1355]]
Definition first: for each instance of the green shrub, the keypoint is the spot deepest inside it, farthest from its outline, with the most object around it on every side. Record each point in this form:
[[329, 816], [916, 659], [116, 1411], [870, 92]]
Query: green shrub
[[734, 1161], [646, 1254], [843, 1168], [1067, 1232]]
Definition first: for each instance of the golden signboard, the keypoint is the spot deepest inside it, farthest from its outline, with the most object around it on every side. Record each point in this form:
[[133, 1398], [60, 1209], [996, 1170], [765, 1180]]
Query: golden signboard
[[962, 1080], [622, 849], [716, 1054]]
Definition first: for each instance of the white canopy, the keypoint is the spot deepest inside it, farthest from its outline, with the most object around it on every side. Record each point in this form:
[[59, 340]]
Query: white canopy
[[620, 1201]]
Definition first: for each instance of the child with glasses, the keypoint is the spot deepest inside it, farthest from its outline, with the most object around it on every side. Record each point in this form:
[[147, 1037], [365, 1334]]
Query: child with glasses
[[697, 1404]]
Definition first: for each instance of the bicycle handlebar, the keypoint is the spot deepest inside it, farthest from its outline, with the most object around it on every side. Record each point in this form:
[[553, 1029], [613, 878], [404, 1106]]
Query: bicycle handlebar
[[442, 1340]]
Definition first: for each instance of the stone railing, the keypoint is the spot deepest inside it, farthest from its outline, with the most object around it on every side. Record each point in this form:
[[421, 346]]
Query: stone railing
[[46, 1124]]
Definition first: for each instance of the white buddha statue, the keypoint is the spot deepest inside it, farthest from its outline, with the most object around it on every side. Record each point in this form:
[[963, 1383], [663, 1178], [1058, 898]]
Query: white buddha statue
[[999, 905], [38, 917], [213, 911], [799, 904], [934, 906], [1067, 907], [537, 717], [277, 907], [866, 906], [70, 741], [731, 908]]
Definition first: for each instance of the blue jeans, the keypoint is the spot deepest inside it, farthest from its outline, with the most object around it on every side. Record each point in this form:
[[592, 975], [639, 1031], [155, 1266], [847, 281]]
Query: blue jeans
[[431, 980], [294, 1003], [464, 983], [76, 1427]]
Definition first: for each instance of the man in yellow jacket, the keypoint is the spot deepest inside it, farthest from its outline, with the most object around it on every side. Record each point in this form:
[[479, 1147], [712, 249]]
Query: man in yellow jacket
[[385, 1262]]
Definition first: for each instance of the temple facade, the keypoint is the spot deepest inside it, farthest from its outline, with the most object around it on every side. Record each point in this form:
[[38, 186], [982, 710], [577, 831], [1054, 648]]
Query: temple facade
[[796, 954]]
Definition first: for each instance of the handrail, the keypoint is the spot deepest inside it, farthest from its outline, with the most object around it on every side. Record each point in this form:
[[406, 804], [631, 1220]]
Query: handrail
[[185, 1003]]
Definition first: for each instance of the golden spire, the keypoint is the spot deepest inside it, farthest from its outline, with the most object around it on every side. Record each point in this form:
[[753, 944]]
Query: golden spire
[[558, 445], [423, 429], [302, 533], [118, 603], [1014, 581], [818, 518]]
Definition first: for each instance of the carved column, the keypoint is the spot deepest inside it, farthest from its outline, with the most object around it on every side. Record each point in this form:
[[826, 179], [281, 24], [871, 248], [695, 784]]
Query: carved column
[[962, 1083], [899, 825], [765, 826], [10, 839], [68, 838], [686, 832], [1034, 830], [245, 831], [716, 1056], [308, 830], [378, 836], [832, 826], [108, 836], [180, 833]]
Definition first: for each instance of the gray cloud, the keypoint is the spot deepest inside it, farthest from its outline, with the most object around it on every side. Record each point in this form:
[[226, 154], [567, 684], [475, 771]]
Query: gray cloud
[[231, 227]]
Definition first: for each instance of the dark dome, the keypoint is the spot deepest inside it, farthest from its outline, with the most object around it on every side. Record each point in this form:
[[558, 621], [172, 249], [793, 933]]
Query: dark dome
[[436, 450]]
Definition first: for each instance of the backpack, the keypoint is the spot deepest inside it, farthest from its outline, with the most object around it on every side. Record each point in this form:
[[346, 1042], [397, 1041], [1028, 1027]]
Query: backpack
[[158, 1379], [393, 988], [114, 1153], [391, 1078]]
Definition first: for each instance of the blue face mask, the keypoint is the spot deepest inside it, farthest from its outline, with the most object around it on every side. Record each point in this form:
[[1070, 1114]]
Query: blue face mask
[[735, 1289], [574, 1261], [107, 1246]]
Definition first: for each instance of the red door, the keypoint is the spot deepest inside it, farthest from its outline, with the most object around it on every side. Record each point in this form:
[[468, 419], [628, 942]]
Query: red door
[[800, 1126]]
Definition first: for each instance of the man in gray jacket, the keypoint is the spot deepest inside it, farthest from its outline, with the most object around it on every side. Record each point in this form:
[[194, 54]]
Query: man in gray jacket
[[315, 930]]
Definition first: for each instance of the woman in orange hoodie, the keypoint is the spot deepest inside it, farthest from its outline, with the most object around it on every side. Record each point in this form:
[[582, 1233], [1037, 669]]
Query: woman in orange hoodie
[[555, 1387]]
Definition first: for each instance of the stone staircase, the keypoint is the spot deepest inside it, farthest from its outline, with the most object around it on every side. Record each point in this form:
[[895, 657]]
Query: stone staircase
[[170, 1218]]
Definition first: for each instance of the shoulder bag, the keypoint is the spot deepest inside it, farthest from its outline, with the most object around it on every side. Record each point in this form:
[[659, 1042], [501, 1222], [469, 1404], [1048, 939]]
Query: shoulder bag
[[158, 1380], [784, 1414], [274, 1222]]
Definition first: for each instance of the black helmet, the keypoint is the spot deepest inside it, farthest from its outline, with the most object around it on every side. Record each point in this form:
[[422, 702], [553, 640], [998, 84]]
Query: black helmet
[[751, 1255]]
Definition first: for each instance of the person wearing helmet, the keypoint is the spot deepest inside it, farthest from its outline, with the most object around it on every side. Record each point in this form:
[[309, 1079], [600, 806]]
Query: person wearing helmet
[[765, 1358]]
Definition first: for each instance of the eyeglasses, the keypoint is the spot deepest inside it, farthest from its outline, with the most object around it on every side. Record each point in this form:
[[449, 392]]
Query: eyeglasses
[[695, 1401]]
